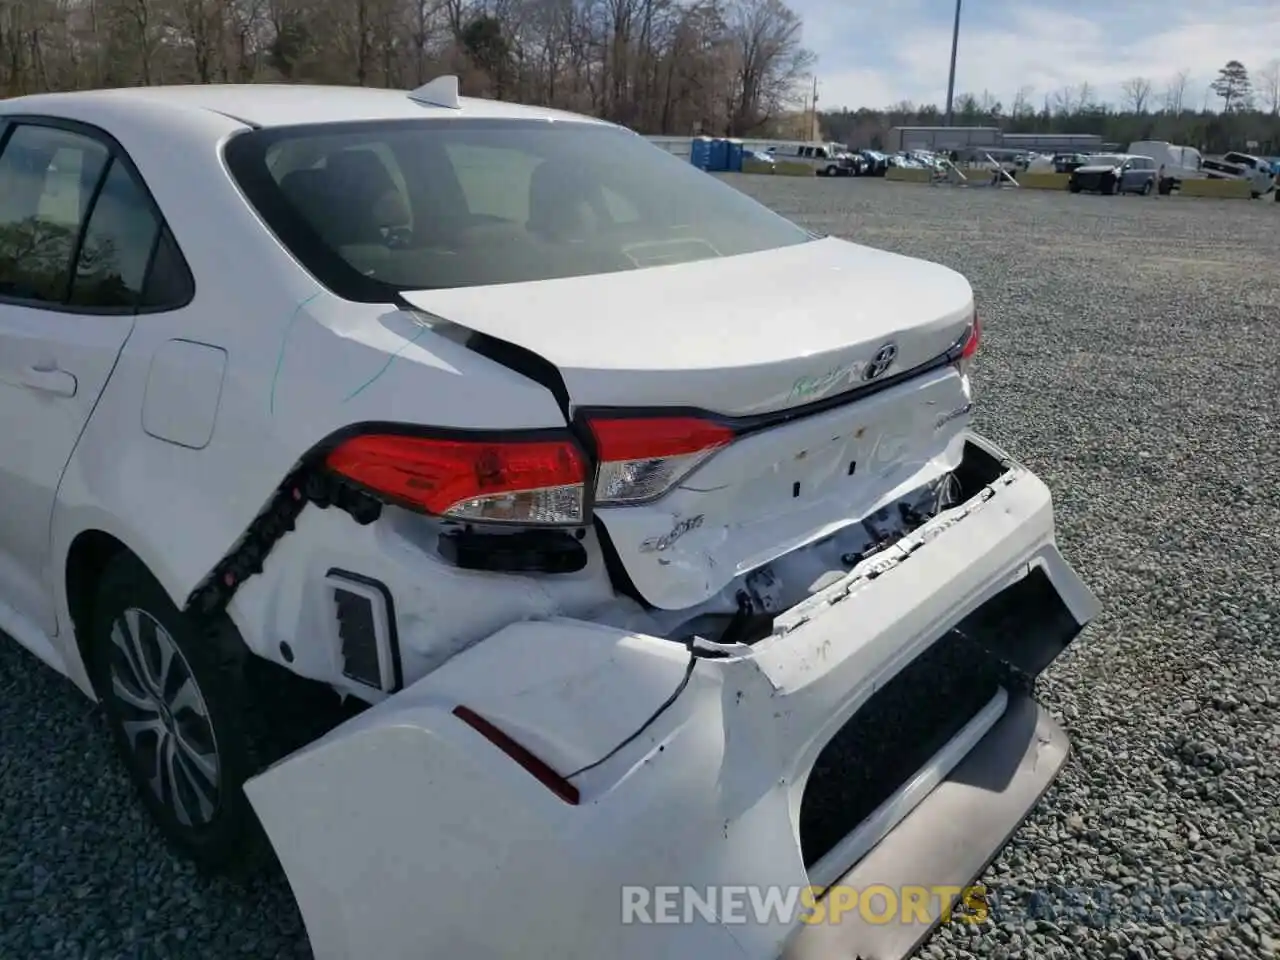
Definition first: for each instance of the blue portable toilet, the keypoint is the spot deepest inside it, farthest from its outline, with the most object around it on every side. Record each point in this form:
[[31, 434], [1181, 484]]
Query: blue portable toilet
[[700, 153], [719, 155], [736, 155]]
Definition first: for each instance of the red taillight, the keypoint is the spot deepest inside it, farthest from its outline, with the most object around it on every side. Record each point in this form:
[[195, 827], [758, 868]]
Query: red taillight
[[499, 481], [971, 344], [557, 784], [642, 458]]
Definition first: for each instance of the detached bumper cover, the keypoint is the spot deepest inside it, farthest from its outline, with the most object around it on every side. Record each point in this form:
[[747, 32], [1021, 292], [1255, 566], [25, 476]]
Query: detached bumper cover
[[406, 834], [948, 840]]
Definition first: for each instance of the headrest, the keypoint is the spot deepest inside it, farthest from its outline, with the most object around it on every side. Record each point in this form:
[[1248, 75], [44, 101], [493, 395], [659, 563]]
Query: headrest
[[557, 207], [349, 200]]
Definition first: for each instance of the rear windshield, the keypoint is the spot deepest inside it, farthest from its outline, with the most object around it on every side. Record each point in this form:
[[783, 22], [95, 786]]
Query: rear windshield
[[371, 208]]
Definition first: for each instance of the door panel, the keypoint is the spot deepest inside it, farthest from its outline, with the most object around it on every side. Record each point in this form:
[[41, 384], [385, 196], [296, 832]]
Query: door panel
[[52, 369], [61, 327]]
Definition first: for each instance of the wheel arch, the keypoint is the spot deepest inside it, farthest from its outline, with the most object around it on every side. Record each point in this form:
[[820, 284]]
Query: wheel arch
[[89, 550], [88, 557]]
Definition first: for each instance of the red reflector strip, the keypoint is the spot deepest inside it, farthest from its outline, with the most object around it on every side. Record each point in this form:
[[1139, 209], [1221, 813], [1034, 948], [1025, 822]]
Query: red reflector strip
[[557, 784], [654, 438]]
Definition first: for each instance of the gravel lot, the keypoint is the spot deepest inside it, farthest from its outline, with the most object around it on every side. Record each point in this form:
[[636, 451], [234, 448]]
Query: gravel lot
[[1130, 357]]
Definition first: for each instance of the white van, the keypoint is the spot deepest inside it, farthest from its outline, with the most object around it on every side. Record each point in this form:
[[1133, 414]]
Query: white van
[[826, 159], [1179, 163]]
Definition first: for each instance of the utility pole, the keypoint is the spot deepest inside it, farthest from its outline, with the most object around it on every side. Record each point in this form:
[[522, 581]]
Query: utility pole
[[813, 123], [951, 79]]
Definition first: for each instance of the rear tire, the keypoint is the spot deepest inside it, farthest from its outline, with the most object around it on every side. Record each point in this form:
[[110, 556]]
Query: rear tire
[[832, 171], [1073, 187], [174, 697], [1146, 189]]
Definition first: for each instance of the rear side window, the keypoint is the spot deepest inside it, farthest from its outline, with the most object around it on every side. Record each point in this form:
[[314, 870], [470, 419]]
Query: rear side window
[[169, 284], [117, 244], [47, 180], [371, 208], [78, 229]]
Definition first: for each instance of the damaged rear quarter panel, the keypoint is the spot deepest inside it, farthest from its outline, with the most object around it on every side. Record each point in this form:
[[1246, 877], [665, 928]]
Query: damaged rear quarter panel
[[299, 368]]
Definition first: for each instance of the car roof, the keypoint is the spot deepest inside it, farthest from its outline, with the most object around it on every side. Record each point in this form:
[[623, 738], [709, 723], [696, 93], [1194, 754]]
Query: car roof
[[284, 104]]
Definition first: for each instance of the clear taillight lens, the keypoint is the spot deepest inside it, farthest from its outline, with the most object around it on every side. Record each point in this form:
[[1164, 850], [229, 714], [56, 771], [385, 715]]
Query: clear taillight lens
[[642, 458]]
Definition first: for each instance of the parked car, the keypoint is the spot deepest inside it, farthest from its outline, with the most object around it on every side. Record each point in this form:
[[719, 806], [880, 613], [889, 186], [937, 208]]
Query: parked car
[[1114, 174], [875, 163], [1068, 162], [565, 464], [1138, 175], [855, 163]]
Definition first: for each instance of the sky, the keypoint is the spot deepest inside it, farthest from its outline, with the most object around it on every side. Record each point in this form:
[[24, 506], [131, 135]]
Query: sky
[[874, 53]]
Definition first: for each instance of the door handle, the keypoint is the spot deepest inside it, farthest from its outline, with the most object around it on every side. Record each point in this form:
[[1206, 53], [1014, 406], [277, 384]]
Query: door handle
[[50, 380]]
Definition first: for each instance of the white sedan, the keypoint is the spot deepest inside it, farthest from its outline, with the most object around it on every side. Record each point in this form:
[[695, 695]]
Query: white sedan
[[643, 528]]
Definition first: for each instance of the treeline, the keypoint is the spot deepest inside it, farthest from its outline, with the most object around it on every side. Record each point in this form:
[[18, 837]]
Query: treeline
[[656, 65], [734, 67], [1236, 110]]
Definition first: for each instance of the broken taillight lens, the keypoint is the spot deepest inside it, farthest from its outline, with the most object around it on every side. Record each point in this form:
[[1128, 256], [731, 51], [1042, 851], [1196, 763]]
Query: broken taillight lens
[[513, 480], [641, 458]]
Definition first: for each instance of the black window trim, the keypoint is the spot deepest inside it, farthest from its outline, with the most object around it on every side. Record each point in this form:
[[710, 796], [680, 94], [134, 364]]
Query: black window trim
[[116, 153]]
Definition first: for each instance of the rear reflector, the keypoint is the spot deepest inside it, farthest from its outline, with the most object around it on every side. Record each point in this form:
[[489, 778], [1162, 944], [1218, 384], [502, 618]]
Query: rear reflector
[[643, 458], [557, 784], [509, 481]]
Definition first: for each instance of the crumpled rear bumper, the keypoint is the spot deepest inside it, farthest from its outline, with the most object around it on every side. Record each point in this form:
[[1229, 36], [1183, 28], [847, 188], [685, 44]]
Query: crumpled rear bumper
[[405, 833]]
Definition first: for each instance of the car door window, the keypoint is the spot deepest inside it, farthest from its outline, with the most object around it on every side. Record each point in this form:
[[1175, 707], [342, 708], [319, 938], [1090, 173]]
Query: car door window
[[47, 180], [118, 239]]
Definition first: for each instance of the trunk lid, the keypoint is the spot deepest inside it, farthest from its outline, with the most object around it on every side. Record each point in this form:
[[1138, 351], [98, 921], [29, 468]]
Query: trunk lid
[[751, 341], [739, 335]]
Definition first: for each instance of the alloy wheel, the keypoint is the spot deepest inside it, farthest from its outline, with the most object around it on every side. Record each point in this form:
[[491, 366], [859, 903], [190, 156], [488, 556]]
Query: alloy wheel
[[164, 717]]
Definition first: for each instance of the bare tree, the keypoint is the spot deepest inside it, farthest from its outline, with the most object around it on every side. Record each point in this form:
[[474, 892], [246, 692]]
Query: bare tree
[[1063, 102], [769, 61], [1070, 101], [1086, 98], [1022, 105], [1269, 87], [1175, 92], [1136, 91]]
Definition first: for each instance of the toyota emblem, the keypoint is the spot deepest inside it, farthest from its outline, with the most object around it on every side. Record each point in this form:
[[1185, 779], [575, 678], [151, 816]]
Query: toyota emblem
[[882, 361]]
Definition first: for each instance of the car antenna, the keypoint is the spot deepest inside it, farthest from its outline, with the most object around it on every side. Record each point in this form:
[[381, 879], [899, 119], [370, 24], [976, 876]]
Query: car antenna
[[440, 92]]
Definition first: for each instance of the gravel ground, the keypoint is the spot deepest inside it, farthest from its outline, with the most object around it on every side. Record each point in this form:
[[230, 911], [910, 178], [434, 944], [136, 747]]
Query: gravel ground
[[1130, 356]]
